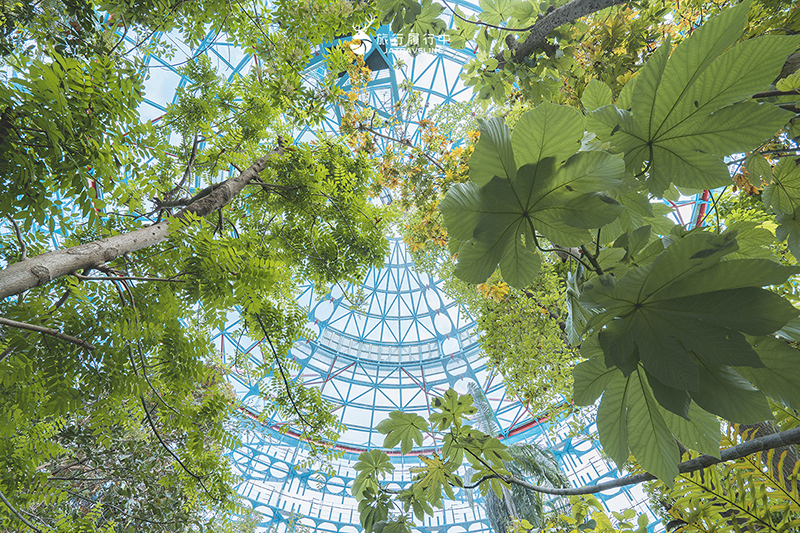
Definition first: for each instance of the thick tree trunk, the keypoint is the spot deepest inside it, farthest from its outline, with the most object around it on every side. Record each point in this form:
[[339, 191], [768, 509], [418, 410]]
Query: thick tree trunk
[[36, 271]]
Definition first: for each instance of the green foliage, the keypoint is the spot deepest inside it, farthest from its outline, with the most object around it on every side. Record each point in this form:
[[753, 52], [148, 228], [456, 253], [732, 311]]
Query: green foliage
[[437, 474], [687, 111], [403, 428], [738, 496], [587, 514], [523, 337], [523, 185]]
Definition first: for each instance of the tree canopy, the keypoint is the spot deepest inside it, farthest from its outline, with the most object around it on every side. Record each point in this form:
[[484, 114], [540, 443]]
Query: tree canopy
[[127, 243]]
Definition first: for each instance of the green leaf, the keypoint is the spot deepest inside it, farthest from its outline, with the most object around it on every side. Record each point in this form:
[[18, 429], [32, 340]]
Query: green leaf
[[789, 230], [726, 393], [557, 200], [493, 155], [650, 441], [612, 422], [701, 432], [549, 130], [687, 110], [454, 410], [783, 194], [780, 375], [592, 376], [683, 314], [596, 94], [758, 169], [403, 428]]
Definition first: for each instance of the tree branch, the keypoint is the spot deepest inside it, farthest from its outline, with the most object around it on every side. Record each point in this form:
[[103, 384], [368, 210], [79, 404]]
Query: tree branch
[[767, 94], [569, 12], [37, 271], [746, 448], [17, 513], [23, 250], [47, 331]]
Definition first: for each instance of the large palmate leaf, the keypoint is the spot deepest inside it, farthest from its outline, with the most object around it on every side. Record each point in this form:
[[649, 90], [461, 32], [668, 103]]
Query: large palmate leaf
[[684, 318], [780, 376], [783, 197], [403, 428], [454, 409], [688, 110], [631, 420], [528, 185]]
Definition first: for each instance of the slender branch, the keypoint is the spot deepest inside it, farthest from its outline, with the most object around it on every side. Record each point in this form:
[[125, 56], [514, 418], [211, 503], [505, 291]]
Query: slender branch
[[767, 94], [404, 142], [23, 250], [166, 447], [283, 375], [17, 513], [46, 331], [126, 278], [768, 442]]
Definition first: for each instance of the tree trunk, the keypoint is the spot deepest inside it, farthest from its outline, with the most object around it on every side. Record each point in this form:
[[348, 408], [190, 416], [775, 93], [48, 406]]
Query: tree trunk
[[36, 271]]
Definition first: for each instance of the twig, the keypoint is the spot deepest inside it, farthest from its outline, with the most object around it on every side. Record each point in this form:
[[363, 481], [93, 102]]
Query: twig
[[126, 278], [17, 513], [767, 94], [47, 331], [23, 250], [283, 375]]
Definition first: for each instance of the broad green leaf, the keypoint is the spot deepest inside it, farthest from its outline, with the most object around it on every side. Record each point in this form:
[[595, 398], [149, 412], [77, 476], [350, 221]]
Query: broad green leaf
[[493, 155], [783, 194], [591, 377], [726, 393], [789, 230], [758, 169], [687, 312], [403, 428], [612, 416], [755, 240], [687, 111], [596, 94], [558, 201], [780, 376], [454, 409], [519, 264], [690, 59], [433, 477], [649, 439], [700, 433], [549, 130]]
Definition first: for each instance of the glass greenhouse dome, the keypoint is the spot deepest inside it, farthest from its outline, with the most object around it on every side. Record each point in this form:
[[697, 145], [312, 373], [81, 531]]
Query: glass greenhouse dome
[[401, 344], [394, 341]]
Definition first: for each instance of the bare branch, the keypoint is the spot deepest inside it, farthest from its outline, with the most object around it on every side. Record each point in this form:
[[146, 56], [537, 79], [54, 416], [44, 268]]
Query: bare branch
[[17, 513], [47, 331], [746, 448], [569, 12], [23, 250]]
